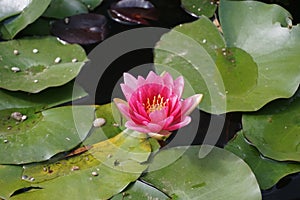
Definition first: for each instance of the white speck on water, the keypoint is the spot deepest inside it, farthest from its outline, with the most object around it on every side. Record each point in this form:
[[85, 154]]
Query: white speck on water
[[74, 60], [35, 51], [16, 52], [94, 173], [36, 81], [5, 141], [204, 41]]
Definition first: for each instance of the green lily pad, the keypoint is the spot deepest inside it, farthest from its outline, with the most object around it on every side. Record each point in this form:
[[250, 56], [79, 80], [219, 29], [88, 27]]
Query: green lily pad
[[65, 8], [41, 134], [10, 8], [197, 51], [48, 98], [140, 190], [200, 7], [275, 130], [219, 175], [108, 130], [10, 179], [268, 172], [264, 31], [103, 171], [31, 12], [91, 4], [34, 64]]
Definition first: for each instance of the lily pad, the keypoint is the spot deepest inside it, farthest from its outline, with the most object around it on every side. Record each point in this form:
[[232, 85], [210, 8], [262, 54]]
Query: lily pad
[[264, 31], [48, 98], [268, 172], [108, 130], [140, 190], [103, 171], [197, 51], [31, 12], [28, 64], [64, 8], [200, 7], [275, 130], [41, 134], [91, 4], [10, 8], [219, 175]]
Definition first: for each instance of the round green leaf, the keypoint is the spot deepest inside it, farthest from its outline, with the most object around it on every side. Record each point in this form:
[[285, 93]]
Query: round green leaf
[[266, 33], [64, 8], [46, 99], [268, 172], [219, 175], [275, 130], [34, 64], [9, 8], [103, 171], [41, 134], [140, 190], [33, 10], [223, 75], [200, 7]]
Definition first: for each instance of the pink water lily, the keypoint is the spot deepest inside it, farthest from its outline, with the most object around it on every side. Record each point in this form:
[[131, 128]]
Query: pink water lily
[[154, 104]]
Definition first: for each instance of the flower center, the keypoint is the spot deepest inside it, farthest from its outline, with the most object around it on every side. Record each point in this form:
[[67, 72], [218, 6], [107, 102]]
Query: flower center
[[157, 103]]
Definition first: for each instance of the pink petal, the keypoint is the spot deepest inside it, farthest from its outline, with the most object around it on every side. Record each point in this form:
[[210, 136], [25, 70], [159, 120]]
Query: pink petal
[[131, 125], [168, 80], [130, 80], [140, 81], [153, 78], [178, 86], [158, 115], [186, 121], [154, 128], [189, 104], [123, 107], [127, 91]]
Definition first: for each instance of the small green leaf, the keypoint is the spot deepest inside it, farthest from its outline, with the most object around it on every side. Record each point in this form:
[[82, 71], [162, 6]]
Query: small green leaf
[[268, 172], [216, 176], [275, 130], [34, 64], [31, 12], [42, 134], [200, 7]]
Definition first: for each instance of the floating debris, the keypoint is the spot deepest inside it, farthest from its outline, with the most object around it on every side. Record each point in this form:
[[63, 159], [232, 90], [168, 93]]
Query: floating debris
[[16, 52], [15, 69], [57, 60], [35, 51], [75, 168], [94, 173], [17, 116], [98, 122], [67, 20], [74, 60]]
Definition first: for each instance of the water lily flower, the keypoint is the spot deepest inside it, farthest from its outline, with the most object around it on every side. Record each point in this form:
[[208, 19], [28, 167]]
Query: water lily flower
[[154, 105]]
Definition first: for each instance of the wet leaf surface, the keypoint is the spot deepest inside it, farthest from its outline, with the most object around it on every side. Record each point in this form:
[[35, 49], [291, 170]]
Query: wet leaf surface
[[191, 177], [28, 65], [81, 29], [268, 172], [42, 134], [200, 7], [105, 170], [275, 130], [46, 99]]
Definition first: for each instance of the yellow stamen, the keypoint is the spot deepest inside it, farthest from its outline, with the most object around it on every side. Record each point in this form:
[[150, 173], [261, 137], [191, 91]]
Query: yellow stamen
[[157, 103]]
